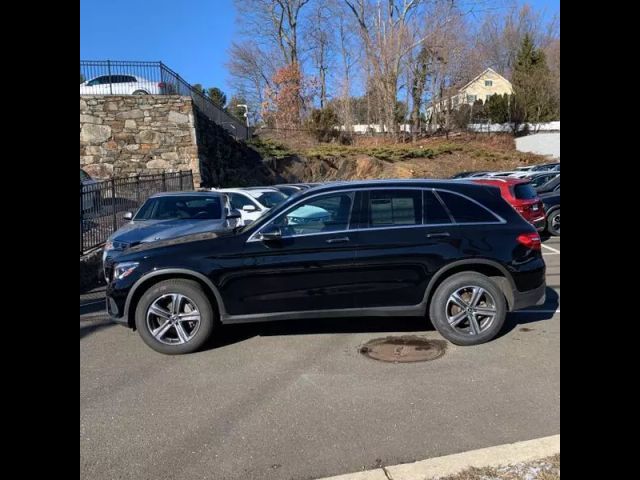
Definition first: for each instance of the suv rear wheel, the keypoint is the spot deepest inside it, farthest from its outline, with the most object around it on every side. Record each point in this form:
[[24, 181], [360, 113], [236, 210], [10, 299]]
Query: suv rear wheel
[[468, 308], [174, 317]]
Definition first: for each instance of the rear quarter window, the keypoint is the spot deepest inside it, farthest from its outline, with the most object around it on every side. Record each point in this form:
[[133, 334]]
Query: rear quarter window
[[464, 210], [524, 191]]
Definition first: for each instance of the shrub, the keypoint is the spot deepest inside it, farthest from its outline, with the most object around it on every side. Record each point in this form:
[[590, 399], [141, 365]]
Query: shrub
[[322, 123]]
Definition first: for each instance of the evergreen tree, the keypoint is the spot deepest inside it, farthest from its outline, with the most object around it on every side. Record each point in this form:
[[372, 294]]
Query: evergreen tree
[[532, 84]]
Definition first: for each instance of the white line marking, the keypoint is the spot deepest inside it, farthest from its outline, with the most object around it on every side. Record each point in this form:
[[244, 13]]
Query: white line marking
[[552, 249]]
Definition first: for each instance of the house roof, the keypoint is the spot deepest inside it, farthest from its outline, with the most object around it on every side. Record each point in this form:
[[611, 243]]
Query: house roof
[[489, 69]]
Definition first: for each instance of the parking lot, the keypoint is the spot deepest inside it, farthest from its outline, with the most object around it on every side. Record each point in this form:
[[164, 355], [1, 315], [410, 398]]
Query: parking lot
[[296, 400]]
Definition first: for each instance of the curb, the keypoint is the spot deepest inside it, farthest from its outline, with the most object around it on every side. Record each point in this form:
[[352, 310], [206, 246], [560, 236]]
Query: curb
[[451, 464]]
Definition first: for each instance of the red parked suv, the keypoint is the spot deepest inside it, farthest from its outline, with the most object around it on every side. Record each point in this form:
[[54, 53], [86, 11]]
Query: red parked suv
[[522, 196]]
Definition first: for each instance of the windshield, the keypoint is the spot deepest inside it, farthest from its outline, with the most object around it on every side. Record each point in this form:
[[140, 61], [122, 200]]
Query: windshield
[[180, 208], [270, 199], [541, 180]]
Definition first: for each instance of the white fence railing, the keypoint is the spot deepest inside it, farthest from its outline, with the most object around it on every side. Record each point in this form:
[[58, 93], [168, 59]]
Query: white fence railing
[[508, 127], [473, 127]]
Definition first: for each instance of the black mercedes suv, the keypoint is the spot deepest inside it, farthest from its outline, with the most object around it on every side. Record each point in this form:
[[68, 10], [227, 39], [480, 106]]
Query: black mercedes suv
[[452, 250]]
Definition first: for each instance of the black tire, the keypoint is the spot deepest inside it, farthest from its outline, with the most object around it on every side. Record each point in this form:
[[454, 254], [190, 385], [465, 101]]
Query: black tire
[[194, 294], [140, 92], [440, 304], [553, 222]]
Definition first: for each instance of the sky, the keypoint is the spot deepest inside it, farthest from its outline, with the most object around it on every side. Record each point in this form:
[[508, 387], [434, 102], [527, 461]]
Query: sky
[[191, 37]]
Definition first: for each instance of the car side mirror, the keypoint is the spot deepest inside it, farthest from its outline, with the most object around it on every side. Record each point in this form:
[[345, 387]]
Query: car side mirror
[[249, 208], [270, 234], [128, 216], [233, 214]]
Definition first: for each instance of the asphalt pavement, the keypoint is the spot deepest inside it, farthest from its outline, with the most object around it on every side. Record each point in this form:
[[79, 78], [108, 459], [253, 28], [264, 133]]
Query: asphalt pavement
[[296, 400]]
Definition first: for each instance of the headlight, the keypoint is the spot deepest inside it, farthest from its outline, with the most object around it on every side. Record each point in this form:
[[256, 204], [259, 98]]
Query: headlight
[[124, 269]]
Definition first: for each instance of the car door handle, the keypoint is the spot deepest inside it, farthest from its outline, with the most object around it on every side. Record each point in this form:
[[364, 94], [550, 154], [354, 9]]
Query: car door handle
[[338, 240], [438, 235]]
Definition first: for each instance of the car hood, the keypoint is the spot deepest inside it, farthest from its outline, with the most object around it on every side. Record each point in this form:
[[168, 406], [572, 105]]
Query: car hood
[[144, 231]]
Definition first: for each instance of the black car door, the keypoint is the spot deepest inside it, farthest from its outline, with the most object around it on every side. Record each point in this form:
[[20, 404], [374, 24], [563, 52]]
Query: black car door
[[308, 268], [397, 252], [406, 235]]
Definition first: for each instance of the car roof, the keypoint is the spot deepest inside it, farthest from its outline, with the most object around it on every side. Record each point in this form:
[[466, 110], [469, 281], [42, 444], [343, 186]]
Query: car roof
[[391, 183], [499, 180], [246, 189], [186, 193]]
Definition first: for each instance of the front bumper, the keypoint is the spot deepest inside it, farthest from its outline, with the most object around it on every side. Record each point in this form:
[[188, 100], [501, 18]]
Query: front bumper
[[529, 298], [116, 303]]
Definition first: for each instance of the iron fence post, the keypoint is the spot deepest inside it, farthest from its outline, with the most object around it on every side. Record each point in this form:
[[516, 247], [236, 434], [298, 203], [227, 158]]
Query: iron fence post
[[81, 221], [164, 181], [113, 203], [110, 82], [181, 174], [138, 189]]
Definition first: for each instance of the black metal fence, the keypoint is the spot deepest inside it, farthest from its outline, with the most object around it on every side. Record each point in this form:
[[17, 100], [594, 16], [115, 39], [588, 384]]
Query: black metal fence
[[102, 204], [110, 77]]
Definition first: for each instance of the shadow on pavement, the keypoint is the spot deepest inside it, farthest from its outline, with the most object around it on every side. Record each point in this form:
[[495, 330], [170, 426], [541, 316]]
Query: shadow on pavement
[[89, 327], [230, 334], [533, 314]]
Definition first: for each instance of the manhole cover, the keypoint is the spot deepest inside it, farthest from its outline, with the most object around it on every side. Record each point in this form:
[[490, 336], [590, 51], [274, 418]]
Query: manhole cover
[[404, 349]]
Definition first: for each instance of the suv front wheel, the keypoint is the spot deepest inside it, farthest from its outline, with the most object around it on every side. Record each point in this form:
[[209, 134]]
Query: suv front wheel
[[174, 317], [468, 308]]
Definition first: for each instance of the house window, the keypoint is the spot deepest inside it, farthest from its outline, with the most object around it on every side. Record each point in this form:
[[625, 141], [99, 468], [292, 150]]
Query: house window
[[488, 83], [471, 98], [487, 98]]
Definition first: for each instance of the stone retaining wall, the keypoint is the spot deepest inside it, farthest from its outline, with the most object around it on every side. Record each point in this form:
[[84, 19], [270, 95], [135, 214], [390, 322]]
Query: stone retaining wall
[[126, 135]]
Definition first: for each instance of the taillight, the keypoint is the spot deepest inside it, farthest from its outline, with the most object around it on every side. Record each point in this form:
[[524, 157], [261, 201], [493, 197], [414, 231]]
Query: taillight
[[162, 85], [530, 240]]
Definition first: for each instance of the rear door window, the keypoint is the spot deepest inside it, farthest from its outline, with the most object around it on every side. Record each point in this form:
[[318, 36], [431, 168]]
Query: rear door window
[[434, 211], [464, 210], [394, 207], [524, 191]]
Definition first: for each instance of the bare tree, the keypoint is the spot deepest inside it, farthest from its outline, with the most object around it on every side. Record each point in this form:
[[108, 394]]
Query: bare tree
[[251, 69], [275, 23], [384, 30], [320, 41], [500, 35]]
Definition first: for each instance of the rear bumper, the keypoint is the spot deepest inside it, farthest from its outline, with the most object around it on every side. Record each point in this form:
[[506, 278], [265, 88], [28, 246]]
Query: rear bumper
[[539, 223], [529, 298]]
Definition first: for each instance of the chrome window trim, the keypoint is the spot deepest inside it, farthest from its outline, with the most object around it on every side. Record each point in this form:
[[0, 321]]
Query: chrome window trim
[[499, 219]]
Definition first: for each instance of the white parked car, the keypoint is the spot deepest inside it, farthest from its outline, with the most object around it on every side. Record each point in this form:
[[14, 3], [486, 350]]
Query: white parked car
[[253, 202], [121, 85]]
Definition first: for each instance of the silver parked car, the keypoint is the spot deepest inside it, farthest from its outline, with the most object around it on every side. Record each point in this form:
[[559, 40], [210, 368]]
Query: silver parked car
[[169, 215]]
